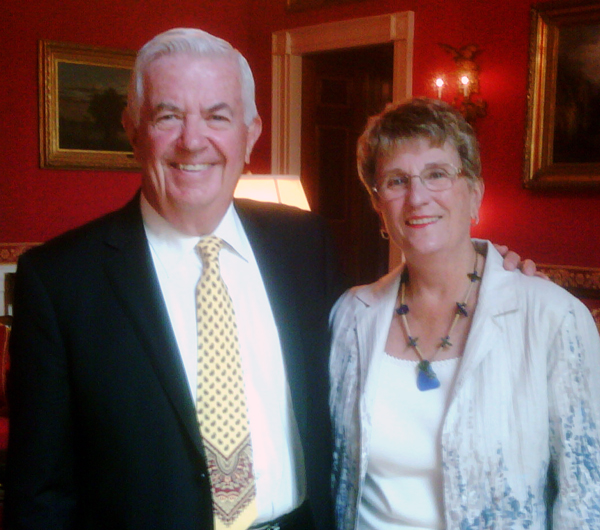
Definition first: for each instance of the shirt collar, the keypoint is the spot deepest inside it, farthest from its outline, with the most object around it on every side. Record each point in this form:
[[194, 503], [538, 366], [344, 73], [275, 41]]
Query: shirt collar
[[165, 237]]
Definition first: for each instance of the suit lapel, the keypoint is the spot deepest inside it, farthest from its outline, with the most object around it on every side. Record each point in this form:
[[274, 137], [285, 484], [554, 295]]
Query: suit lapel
[[130, 270], [273, 260], [372, 323]]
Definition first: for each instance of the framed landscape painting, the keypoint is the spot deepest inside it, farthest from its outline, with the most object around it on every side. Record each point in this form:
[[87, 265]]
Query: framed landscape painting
[[83, 91]]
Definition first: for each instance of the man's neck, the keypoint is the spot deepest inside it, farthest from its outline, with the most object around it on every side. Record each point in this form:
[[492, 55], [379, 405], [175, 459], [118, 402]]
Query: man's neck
[[192, 222]]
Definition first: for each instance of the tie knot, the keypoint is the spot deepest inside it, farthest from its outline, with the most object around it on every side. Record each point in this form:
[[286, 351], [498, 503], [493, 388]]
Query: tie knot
[[209, 248]]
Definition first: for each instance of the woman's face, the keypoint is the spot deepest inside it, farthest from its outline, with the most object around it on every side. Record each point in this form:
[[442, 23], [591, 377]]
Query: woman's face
[[423, 221]]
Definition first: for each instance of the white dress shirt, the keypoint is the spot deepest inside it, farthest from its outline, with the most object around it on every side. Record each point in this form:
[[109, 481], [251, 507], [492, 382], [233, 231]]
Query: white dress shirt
[[277, 453]]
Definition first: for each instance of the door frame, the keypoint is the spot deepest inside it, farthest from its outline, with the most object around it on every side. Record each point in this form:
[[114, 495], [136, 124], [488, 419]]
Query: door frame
[[288, 46]]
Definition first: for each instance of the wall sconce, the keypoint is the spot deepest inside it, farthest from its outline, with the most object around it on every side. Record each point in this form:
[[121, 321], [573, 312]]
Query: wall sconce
[[467, 80], [283, 189]]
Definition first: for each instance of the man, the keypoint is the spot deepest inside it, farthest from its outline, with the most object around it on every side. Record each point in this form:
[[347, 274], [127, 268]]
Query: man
[[109, 419], [104, 431]]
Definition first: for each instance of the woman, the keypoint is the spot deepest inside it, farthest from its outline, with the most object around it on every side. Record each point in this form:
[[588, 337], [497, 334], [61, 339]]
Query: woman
[[463, 396]]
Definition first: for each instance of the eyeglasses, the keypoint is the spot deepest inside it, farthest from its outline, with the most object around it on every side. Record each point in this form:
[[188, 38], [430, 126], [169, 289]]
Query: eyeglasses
[[435, 178]]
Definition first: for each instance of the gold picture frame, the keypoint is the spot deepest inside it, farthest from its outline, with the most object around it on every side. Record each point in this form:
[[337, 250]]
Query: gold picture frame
[[82, 91], [562, 147]]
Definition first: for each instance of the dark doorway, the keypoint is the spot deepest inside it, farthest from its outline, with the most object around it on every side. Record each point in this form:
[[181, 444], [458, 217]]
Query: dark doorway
[[340, 90]]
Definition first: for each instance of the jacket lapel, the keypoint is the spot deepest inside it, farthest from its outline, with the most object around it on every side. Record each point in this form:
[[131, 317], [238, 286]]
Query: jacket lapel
[[372, 326], [130, 270], [497, 298]]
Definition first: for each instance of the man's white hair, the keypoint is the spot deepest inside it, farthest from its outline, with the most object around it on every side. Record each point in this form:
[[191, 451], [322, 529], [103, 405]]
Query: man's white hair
[[193, 41]]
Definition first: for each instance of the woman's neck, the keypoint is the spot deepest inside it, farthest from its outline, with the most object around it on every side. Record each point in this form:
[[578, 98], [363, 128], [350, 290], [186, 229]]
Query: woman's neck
[[440, 275]]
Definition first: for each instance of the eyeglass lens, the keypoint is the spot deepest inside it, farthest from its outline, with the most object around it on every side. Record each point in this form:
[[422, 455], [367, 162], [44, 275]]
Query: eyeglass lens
[[435, 178]]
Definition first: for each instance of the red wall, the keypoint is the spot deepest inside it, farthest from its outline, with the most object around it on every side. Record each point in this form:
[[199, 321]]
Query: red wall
[[551, 227], [37, 204]]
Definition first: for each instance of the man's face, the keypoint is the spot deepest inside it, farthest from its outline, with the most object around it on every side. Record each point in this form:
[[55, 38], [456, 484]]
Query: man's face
[[192, 141]]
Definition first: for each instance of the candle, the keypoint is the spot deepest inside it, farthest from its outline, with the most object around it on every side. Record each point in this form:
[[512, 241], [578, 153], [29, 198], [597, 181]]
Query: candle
[[465, 83], [439, 83]]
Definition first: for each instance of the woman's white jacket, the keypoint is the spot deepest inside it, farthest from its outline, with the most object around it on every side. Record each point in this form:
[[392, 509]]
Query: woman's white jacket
[[520, 440]]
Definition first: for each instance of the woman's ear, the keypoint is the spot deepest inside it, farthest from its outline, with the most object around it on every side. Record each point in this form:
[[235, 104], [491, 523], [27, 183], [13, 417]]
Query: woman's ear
[[382, 228], [476, 198]]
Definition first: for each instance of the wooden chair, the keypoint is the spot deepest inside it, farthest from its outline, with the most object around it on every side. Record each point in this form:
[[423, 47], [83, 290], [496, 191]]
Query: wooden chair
[[5, 326]]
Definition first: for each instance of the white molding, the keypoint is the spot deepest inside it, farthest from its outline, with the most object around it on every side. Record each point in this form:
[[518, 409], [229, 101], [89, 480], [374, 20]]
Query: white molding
[[4, 268]]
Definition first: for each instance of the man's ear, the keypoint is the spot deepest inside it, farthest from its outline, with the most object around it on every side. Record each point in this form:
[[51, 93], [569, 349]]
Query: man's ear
[[129, 126], [254, 130]]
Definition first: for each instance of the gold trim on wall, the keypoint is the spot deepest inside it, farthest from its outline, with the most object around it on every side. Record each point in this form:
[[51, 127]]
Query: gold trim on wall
[[581, 281], [104, 73], [10, 252], [584, 281], [541, 170]]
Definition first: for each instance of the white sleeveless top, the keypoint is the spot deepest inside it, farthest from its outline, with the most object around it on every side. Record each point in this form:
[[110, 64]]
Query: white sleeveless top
[[403, 488]]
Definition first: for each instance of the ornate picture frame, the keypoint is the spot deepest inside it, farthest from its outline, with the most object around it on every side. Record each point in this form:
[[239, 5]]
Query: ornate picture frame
[[562, 147], [82, 91]]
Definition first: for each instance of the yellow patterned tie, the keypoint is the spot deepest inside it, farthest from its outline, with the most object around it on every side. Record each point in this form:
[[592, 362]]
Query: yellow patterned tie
[[220, 401]]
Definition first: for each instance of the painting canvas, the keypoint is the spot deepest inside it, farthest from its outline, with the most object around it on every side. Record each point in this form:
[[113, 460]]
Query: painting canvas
[[91, 100], [576, 121]]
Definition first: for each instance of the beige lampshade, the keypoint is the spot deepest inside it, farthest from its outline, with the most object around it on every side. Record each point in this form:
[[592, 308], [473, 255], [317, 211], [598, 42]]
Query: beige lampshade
[[283, 189]]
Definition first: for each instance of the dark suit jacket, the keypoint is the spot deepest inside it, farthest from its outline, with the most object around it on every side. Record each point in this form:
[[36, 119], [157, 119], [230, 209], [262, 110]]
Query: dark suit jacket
[[103, 431]]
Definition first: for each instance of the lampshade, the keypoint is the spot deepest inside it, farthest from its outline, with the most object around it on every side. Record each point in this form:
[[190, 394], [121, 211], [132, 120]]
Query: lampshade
[[283, 189]]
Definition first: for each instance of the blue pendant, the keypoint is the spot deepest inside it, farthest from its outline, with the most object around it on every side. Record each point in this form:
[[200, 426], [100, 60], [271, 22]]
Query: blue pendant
[[426, 379]]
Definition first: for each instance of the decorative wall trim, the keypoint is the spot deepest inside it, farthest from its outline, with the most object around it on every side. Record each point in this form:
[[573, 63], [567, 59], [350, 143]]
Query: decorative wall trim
[[581, 281], [10, 252]]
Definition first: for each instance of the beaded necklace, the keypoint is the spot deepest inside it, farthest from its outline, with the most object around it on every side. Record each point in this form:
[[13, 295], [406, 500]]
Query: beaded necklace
[[426, 377]]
